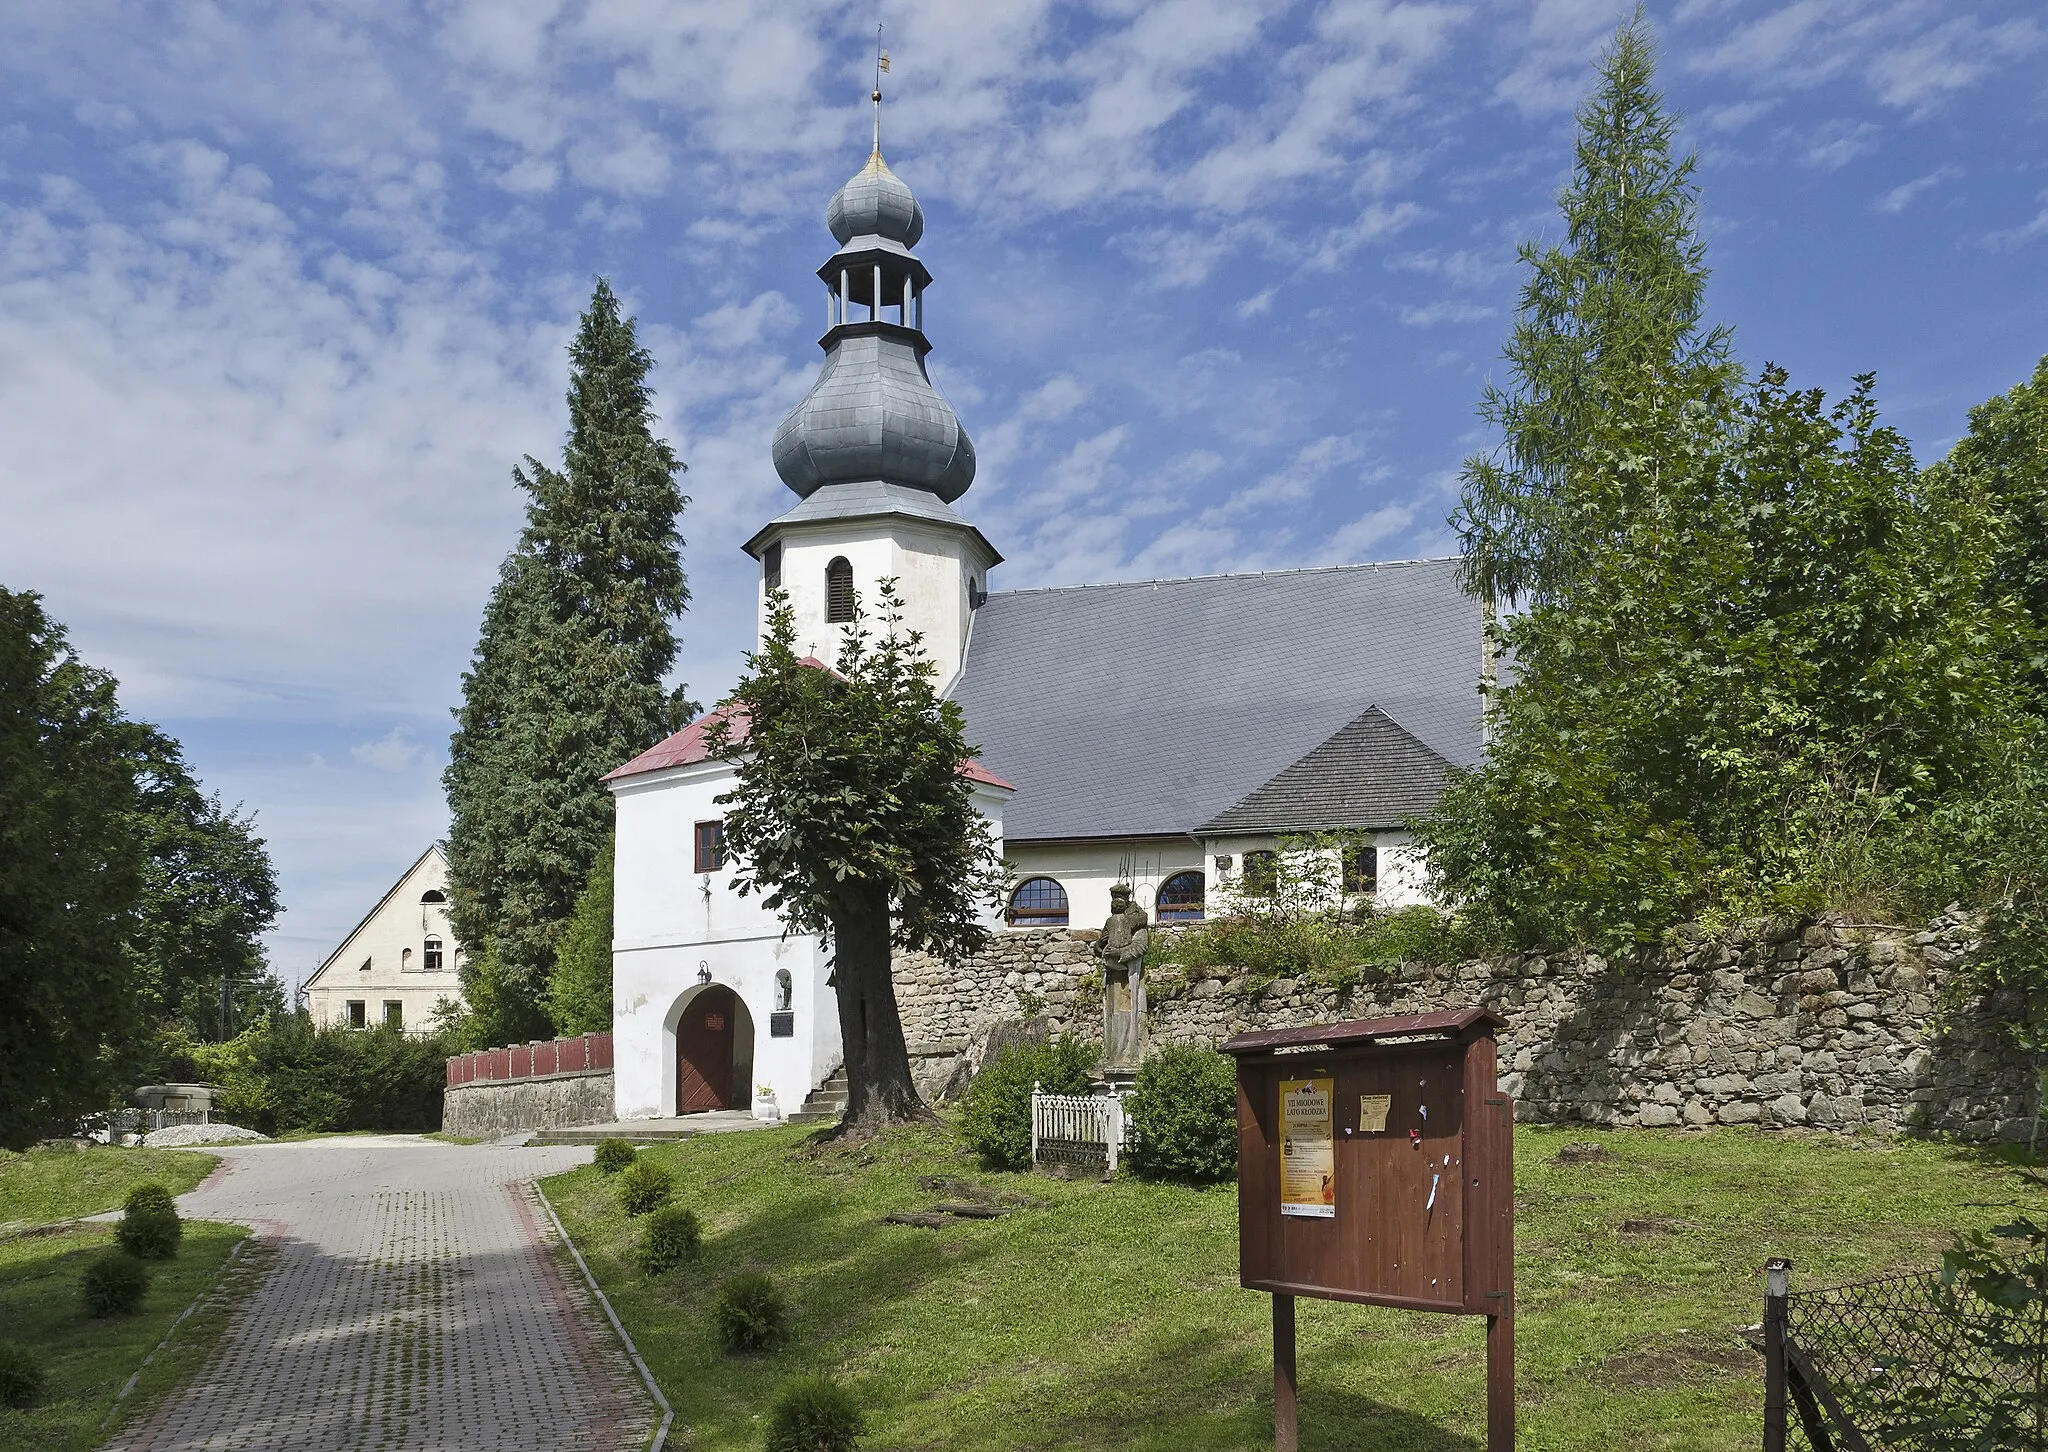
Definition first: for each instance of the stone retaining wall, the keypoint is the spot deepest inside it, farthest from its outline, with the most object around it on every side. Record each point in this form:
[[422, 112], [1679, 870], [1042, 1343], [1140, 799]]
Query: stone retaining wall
[[1830, 1025], [488, 1108]]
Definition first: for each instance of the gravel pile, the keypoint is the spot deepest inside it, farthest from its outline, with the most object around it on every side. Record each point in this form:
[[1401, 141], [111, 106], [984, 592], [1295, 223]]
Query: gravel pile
[[178, 1136]]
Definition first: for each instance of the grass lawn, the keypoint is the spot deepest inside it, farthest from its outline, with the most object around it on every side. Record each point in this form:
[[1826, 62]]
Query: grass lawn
[[61, 1183], [1114, 1319]]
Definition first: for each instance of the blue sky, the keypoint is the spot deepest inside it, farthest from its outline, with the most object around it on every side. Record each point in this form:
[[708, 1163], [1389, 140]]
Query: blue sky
[[284, 292]]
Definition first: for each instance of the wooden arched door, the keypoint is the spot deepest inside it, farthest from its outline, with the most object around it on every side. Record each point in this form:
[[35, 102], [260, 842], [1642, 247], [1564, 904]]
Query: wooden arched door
[[704, 1041]]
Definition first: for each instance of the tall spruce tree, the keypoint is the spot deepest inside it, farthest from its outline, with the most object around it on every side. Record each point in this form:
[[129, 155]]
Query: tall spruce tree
[[567, 679], [1619, 300]]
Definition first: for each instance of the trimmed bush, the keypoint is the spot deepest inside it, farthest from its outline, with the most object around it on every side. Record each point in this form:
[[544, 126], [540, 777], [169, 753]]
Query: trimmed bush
[[815, 1414], [1185, 1113], [114, 1285], [150, 1228], [645, 1186], [995, 1117], [613, 1155], [751, 1314], [21, 1374], [670, 1237]]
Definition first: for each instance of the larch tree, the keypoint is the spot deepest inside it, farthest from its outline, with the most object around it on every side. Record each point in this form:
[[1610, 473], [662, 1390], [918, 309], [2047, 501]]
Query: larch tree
[[853, 814], [567, 679], [1619, 300]]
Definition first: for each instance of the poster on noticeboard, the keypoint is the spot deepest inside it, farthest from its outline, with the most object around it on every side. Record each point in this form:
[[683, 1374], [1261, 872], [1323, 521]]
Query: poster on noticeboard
[[1308, 1148]]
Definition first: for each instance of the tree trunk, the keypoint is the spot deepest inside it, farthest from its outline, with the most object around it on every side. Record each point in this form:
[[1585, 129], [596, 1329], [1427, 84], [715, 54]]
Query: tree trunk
[[879, 1091]]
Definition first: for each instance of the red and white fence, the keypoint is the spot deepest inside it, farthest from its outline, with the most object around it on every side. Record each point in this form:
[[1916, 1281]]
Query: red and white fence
[[584, 1054]]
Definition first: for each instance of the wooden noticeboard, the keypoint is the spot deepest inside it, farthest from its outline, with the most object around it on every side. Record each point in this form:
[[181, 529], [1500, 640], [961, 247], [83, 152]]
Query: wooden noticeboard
[[1376, 1164]]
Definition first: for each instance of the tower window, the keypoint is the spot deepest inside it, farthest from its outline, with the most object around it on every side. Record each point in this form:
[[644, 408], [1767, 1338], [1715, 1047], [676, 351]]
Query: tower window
[[430, 960], [838, 591], [771, 566], [710, 846], [1180, 898], [1038, 902]]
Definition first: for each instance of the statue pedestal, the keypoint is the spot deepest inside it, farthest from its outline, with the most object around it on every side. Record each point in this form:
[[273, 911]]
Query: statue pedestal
[[1117, 1083]]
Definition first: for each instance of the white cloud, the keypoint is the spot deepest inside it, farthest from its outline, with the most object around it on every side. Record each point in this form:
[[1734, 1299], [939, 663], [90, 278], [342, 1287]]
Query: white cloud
[[1905, 194], [1834, 144], [394, 751], [1257, 305], [1435, 314]]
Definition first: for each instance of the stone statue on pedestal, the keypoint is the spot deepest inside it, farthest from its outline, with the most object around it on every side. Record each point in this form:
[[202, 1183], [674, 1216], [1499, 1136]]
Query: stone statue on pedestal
[[1121, 948]]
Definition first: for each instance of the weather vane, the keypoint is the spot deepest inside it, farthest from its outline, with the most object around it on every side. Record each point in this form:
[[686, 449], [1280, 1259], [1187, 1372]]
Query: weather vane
[[881, 68]]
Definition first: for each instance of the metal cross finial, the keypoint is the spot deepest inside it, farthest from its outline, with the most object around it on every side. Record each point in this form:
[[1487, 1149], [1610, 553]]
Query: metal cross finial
[[881, 67]]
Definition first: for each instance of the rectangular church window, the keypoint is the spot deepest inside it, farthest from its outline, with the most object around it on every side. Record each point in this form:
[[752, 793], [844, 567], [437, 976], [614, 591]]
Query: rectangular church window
[[710, 846], [771, 566]]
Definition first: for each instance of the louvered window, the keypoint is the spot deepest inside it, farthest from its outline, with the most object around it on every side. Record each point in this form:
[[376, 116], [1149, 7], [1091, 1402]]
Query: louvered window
[[838, 591]]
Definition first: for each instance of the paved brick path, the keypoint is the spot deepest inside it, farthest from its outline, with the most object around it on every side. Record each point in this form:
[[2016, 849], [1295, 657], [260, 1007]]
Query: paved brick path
[[414, 1303]]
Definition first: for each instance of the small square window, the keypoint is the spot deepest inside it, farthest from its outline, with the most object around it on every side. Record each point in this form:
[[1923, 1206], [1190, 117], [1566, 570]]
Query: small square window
[[394, 1013], [358, 1013], [1362, 870], [710, 846]]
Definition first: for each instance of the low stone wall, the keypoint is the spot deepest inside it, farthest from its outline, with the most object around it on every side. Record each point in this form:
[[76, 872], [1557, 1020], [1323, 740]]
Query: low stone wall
[[488, 1108], [1830, 1025]]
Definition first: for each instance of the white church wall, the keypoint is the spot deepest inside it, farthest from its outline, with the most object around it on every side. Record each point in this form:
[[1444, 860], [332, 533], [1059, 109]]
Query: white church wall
[[1403, 880], [1088, 870], [932, 567]]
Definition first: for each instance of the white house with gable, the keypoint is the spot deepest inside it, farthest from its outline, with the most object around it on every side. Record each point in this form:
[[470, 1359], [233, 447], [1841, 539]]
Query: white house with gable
[[399, 963], [1168, 733]]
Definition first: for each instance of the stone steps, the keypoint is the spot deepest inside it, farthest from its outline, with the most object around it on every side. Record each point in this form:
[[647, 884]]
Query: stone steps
[[827, 1102]]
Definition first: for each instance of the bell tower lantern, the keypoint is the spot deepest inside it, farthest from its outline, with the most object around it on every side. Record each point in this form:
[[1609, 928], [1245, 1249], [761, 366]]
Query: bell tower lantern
[[874, 453]]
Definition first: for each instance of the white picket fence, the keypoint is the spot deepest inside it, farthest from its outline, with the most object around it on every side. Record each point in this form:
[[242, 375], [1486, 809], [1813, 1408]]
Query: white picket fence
[[1083, 1130]]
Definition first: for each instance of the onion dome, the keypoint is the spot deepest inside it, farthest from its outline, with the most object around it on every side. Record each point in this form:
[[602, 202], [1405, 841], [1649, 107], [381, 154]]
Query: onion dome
[[873, 415], [875, 203]]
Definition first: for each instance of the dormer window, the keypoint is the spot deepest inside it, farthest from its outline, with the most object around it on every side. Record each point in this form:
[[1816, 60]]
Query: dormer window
[[838, 591], [771, 566]]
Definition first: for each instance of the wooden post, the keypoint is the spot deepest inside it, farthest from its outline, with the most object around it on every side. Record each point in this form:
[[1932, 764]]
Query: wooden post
[[1500, 1383], [1777, 1285], [1286, 1434]]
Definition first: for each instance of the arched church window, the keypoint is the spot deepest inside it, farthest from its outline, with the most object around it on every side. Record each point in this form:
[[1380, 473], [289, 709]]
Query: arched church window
[[838, 591], [433, 894], [1180, 898], [1038, 902], [1362, 870], [1261, 873], [771, 566], [431, 958]]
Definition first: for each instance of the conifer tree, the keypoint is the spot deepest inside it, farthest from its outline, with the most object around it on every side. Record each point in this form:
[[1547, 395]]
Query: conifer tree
[[1618, 302], [580, 988], [567, 679]]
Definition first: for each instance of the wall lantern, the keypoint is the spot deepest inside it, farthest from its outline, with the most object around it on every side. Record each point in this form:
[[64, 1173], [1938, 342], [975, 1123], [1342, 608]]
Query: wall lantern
[[704, 971]]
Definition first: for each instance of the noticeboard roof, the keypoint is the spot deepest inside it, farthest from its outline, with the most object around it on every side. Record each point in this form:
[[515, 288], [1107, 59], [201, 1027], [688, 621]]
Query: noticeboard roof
[[1449, 1023]]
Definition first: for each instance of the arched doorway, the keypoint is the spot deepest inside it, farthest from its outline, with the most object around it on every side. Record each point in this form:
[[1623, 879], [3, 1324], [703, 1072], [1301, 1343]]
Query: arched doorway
[[714, 1052]]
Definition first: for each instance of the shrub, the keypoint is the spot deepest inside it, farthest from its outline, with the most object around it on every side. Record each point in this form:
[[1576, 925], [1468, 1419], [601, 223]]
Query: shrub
[[645, 1186], [114, 1284], [751, 1314], [282, 1074], [149, 1226], [21, 1375], [1185, 1113], [670, 1237], [815, 1414], [995, 1117], [612, 1156]]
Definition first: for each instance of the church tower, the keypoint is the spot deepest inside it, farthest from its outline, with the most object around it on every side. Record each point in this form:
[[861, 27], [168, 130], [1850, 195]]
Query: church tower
[[874, 454]]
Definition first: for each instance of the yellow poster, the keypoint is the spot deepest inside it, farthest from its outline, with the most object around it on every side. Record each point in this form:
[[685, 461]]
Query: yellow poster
[[1308, 1149]]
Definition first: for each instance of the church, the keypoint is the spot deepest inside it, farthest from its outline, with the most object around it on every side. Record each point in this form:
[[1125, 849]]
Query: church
[[1164, 733]]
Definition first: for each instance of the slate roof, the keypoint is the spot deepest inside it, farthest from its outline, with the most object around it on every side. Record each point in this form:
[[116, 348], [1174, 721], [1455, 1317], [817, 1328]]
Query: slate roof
[[1158, 708], [1372, 773]]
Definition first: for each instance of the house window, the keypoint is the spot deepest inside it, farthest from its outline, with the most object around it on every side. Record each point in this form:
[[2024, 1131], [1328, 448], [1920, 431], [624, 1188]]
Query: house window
[[358, 1013], [838, 591], [394, 1013], [1261, 873], [771, 566], [710, 846], [1362, 870], [365, 966], [433, 894], [431, 958], [1180, 898], [1038, 902]]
